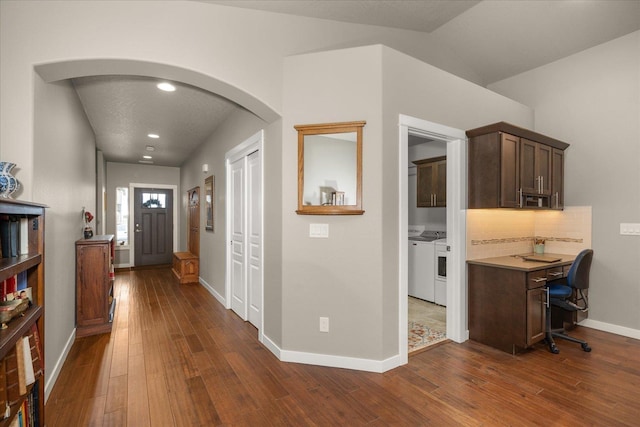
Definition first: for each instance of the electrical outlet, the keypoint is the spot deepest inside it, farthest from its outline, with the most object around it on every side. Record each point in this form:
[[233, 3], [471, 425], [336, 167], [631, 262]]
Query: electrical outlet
[[324, 324], [629, 229]]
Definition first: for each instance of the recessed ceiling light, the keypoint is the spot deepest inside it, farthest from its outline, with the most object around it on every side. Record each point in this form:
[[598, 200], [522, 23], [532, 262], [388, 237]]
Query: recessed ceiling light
[[150, 148], [153, 135], [167, 87], [147, 157]]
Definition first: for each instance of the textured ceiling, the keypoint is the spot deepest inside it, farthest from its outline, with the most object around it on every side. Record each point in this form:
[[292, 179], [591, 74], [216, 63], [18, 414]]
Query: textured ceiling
[[123, 110], [494, 39]]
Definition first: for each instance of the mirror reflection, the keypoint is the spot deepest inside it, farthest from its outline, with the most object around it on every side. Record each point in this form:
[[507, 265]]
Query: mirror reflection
[[330, 169]]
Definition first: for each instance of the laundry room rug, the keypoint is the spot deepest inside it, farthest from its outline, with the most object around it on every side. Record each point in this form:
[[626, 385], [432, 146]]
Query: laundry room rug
[[421, 336]]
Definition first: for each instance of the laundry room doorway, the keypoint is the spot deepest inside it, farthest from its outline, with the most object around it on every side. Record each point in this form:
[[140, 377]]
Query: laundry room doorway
[[455, 141]]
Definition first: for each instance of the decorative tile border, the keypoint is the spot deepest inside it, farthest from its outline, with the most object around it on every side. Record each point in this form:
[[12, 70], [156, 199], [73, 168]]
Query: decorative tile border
[[524, 239]]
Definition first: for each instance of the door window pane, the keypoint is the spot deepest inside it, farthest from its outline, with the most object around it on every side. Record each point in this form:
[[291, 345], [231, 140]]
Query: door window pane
[[154, 200]]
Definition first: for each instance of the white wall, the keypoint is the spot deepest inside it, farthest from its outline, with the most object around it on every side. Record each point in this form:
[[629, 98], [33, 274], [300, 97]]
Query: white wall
[[233, 131], [592, 101], [64, 179], [123, 174], [420, 90], [352, 277], [339, 277]]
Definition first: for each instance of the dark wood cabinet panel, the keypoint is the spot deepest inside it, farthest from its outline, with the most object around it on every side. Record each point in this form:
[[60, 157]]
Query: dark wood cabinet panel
[[94, 285], [511, 167], [557, 179], [536, 315], [535, 167], [431, 182], [494, 171], [507, 308]]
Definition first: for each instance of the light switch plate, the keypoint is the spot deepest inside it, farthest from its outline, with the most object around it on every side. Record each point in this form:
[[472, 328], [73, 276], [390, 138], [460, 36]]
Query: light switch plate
[[319, 230], [630, 229]]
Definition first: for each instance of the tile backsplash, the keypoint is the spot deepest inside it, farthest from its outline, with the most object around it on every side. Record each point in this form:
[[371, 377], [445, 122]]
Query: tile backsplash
[[500, 232]]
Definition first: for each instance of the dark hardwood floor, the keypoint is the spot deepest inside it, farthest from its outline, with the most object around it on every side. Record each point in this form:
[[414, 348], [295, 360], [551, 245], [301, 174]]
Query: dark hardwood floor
[[177, 357]]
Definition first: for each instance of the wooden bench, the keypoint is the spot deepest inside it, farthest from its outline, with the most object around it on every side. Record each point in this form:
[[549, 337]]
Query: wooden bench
[[186, 267]]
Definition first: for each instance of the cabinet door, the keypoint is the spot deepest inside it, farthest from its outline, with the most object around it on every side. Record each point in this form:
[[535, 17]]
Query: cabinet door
[[557, 179], [528, 170], [425, 184], [510, 171], [543, 168], [440, 180], [92, 284], [536, 314], [535, 167]]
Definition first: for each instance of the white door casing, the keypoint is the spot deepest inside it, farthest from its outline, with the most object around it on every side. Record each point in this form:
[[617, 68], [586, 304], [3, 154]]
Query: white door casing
[[456, 227], [254, 238]]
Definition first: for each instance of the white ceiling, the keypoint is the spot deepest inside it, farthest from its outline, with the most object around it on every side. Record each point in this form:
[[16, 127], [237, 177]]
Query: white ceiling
[[495, 38]]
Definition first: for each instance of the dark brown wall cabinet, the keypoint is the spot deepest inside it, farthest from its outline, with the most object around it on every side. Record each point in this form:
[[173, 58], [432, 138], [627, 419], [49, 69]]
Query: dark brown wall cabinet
[[432, 182], [512, 167], [24, 268], [95, 303]]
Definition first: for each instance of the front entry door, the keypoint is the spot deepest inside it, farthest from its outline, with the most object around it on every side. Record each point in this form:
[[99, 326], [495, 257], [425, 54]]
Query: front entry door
[[153, 225]]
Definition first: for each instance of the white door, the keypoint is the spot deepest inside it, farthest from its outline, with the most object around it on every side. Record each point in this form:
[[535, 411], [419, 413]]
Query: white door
[[244, 281], [237, 226], [254, 234]]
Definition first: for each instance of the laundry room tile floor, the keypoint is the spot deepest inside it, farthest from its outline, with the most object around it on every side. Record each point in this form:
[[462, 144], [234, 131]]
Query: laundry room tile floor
[[427, 323]]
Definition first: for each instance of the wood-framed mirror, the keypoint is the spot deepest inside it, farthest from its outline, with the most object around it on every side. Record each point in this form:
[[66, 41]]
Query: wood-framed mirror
[[208, 196], [330, 168]]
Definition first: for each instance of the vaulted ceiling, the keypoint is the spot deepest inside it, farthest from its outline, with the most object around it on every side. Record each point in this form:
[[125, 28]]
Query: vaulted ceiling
[[495, 38]]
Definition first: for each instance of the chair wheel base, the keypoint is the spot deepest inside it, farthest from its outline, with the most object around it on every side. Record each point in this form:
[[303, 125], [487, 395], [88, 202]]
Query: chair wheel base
[[586, 347]]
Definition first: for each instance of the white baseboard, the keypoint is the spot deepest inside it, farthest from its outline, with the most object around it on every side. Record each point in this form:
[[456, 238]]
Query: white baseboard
[[212, 291], [55, 372], [614, 329], [355, 363]]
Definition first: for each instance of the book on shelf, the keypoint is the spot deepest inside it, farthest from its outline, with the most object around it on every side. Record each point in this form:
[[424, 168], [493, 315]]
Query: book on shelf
[[9, 235], [20, 368], [23, 247], [35, 347], [20, 363], [29, 375], [14, 236], [11, 365], [5, 409]]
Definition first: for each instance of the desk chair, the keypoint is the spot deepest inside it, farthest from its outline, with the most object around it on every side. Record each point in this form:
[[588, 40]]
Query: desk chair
[[560, 292]]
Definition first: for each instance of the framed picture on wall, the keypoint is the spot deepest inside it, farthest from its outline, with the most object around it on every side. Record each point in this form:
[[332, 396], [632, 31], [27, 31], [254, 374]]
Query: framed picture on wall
[[208, 197]]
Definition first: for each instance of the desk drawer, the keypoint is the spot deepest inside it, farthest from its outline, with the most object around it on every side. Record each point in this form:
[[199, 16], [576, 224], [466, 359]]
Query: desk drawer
[[555, 273], [536, 279]]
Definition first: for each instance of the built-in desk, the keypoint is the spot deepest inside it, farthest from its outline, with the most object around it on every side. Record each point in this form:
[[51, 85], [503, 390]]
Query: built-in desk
[[507, 299]]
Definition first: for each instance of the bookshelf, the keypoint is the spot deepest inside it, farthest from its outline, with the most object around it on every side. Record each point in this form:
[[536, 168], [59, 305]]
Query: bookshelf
[[95, 304], [24, 400]]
